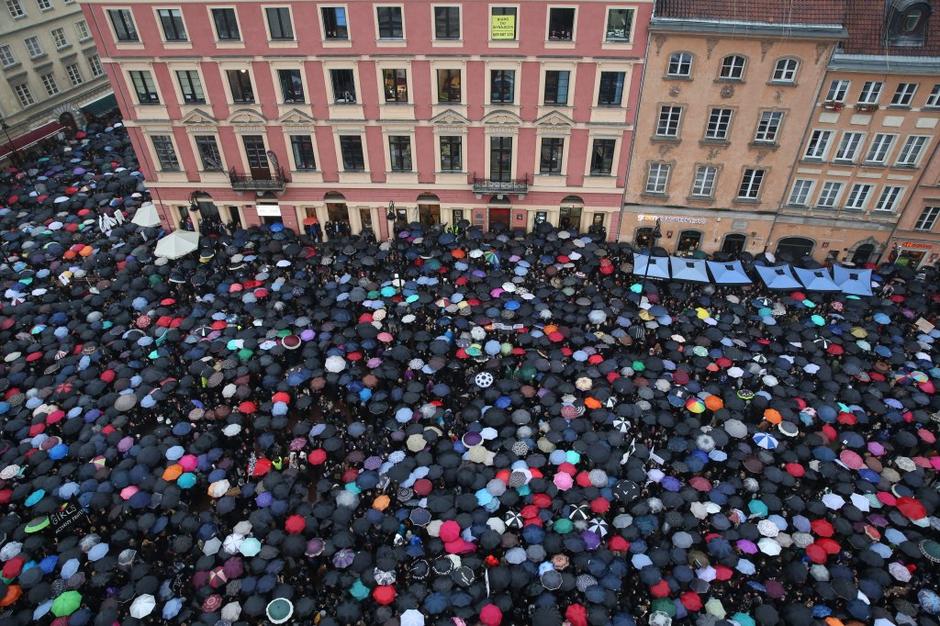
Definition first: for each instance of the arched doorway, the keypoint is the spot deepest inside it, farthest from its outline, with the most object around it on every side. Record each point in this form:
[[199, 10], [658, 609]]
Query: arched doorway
[[68, 121], [569, 213], [337, 215], [863, 254], [643, 238], [795, 247], [498, 213], [733, 243], [429, 209], [689, 241]]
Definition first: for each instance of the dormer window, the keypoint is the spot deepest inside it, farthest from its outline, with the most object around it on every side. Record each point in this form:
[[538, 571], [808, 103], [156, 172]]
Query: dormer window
[[906, 22]]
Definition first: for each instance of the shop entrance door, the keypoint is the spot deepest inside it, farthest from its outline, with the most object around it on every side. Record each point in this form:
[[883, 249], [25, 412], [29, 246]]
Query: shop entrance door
[[499, 219]]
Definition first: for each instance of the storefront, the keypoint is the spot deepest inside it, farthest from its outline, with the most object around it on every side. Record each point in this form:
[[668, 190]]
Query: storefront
[[269, 213], [689, 242], [429, 209], [910, 253]]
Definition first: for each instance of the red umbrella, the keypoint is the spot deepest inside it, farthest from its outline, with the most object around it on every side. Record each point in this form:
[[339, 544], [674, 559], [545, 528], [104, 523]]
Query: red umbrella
[[822, 528], [796, 470], [911, 508], [829, 545], [660, 589], [691, 601], [576, 615], [317, 457], [816, 553], [247, 407], [295, 524], [12, 568], [835, 348], [384, 594], [491, 615], [262, 467]]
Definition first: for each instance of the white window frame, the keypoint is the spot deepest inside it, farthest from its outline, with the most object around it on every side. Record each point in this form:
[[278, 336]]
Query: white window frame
[[621, 42], [859, 195], [24, 93], [704, 181], [927, 218], [44, 5], [732, 68], [871, 92], [81, 27], [229, 43], [817, 146], [771, 130], [94, 64], [129, 43], [375, 19], [723, 135], [784, 73], [838, 90], [849, 145], [156, 17], [883, 143], [915, 144], [574, 25], [39, 51], [59, 39], [336, 43], [803, 187], [669, 121], [75, 77], [830, 192], [16, 10], [904, 94], [444, 5], [267, 24], [889, 199], [683, 59], [153, 151], [753, 191], [48, 81], [933, 99], [7, 58], [489, 22], [663, 171]]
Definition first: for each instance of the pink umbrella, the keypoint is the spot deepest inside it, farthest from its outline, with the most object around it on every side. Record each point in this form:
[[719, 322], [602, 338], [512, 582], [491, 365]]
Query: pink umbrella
[[926, 435], [188, 462], [746, 546], [128, 492], [563, 481], [384, 337], [852, 459], [298, 443]]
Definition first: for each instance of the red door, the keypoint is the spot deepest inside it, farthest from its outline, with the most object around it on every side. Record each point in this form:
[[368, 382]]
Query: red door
[[499, 216]]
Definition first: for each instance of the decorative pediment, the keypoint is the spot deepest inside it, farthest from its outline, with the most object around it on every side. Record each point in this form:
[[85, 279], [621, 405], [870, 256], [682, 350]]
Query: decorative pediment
[[296, 117], [449, 117], [502, 118], [555, 119], [198, 117], [246, 117]]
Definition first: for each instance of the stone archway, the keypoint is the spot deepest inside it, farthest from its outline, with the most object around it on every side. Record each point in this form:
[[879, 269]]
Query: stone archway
[[869, 245], [70, 116]]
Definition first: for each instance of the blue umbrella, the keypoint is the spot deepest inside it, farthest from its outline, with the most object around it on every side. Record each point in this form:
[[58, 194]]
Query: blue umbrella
[[35, 497], [172, 608]]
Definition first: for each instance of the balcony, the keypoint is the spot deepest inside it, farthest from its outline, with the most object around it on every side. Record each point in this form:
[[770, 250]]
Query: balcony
[[503, 187], [275, 181]]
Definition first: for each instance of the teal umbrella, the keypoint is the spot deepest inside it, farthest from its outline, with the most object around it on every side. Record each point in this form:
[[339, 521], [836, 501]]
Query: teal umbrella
[[279, 610], [358, 590], [35, 497], [186, 481]]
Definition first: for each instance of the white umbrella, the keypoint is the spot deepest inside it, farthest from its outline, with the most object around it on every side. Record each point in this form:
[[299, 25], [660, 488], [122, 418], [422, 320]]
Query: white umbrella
[[177, 244], [833, 501], [769, 546], [335, 364], [412, 617], [231, 612], [142, 606], [146, 216], [861, 502], [218, 488], [212, 546]]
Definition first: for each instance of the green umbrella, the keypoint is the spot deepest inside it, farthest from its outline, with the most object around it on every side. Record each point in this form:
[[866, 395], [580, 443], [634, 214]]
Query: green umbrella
[[562, 526], [639, 366], [664, 605], [66, 604], [37, 524]]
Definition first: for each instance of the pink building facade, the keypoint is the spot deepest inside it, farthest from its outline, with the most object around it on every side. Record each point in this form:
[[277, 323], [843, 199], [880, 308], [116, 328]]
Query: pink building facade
[[497, 113]]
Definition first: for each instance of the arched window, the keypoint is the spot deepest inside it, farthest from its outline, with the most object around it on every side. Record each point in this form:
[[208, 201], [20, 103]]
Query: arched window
[[429, 209], [863, 254], [569, 213], [680, 64], [732, 67], [733, 243], [689, 241], [785, 70], [795, 247]]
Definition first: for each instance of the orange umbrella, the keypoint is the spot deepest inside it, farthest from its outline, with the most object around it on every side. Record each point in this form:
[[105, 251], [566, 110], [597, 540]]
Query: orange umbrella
[[12, 595], [381, 503], [713, 403], [172, 472], [773, 416]]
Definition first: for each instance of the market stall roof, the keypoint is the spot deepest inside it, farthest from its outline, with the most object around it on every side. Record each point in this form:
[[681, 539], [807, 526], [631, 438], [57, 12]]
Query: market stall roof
[[658, 267], [778, 277], [816, 279], [728, 272], [688, 269], [852, 280]]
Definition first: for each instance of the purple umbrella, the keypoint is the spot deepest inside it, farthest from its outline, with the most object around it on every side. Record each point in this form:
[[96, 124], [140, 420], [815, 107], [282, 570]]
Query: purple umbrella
[[344, 558]]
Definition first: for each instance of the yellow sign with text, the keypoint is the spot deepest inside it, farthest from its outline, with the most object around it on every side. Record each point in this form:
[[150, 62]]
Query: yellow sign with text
[[502, 27]]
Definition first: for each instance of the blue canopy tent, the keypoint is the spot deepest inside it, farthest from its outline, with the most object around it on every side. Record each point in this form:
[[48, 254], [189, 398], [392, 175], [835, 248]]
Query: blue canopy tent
[[778, 277], [852, 281], [688, 269], [728, 272], [816, 280], [659, 268]]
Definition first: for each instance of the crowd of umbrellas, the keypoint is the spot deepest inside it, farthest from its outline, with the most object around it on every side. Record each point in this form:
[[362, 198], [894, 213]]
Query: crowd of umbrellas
[[475, 429]]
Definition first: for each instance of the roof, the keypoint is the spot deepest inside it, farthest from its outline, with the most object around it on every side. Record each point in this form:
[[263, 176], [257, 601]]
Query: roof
[[865, 21], [779, 12]]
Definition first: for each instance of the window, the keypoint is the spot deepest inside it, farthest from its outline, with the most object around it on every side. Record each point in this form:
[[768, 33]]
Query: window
[[556, 87], [451, 159], [602, 157], [838, 90], [390, 22], [95, 64], [75, 74], [560, 24], [226, 25], [144, 87], [292, 86], [190, 86], [24, 95], [399, 151], [44, 5], [668, 124], [81, 27], [344, 86], [48, 81], [500, 159], [351, 148], [334, 23], [619, 25], [279, 24], [858, 196], [447, 23], [911, 150], [768, 126], [551, 156], [928, 218], [829, 195], [732, 67], [396, 85], [502, 86], [33, 47], [703, 186], [610, 92], [503, 23], [880, 147], [799, 195], [933, 100], [209, 153], [849, 146], [172, 22], [719, 122], [750, 184], [818, 144], [906, 22], [256, 155], [871, 92], [680, 64], [448, 86], [123, 24], [656, 177], [889, 198], [58, 38], [239, 83], [904, 94], [166, 155], [6, 56], [302, 148], [785, 71], [15, 9]]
